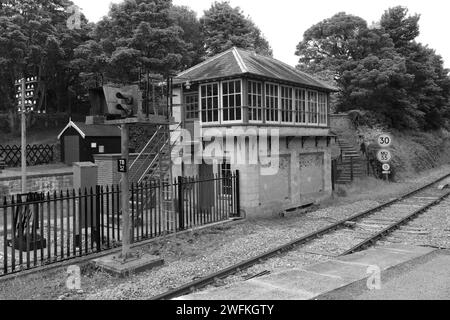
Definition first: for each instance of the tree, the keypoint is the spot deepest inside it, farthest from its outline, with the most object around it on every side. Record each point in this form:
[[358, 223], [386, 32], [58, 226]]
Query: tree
[[137, 36], [430, 87], [224, 27], [327, 45], [401, 28], [379, 68], [192, 35], [379, 84], [37, 41]]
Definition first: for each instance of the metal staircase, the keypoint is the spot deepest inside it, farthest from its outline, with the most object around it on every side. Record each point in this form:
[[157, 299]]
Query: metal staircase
[[154, 165]]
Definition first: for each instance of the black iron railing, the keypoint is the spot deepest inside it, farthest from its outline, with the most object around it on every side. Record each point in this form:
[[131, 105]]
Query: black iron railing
[[40, 229]]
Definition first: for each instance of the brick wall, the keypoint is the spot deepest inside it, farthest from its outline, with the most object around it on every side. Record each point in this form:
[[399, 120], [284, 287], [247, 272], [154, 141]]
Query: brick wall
[[38, 183], [107, 168]]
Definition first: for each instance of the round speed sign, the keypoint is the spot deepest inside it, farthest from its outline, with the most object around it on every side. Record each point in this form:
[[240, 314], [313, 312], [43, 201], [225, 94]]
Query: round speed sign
[[384, 156], [386, 167], [384, 140]]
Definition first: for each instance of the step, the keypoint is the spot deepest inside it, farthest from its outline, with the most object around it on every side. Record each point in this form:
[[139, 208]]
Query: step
[[355, 171], [359, 160], [350, 168], [343, 170], [349, 178], [349, 172], [349, 165]]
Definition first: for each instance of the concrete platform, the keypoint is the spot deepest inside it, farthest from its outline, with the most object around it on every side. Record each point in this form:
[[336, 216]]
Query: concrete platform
[[316, 280], [425, 278], [113, 264]]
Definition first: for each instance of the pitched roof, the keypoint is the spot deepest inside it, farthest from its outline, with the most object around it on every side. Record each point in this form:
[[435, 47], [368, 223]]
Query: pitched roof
[[96, 130], [235, 62]]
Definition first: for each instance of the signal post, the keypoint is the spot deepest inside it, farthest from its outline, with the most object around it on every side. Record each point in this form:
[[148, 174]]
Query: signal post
[[124, 109]]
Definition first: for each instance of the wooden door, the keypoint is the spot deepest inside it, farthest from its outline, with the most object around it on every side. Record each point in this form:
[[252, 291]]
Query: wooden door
[[71, 149]]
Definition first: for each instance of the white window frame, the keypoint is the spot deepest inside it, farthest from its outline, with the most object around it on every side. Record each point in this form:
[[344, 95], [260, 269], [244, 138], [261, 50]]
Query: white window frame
[[221, 107], [291, 111], [325, 109], [317, 106], [255, 95], [218, 104], [305, 101], [186, 112], [278, 104]]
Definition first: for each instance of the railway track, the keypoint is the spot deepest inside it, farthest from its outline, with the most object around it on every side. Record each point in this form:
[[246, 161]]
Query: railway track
[[363, 230]]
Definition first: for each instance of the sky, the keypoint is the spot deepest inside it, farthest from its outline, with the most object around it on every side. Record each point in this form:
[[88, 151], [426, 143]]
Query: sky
[[283, 22]]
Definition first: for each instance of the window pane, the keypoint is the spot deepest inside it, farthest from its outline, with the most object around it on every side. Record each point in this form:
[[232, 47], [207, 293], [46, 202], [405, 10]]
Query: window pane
[[209, 104], [231, 87], [225, 102], [231, 102]]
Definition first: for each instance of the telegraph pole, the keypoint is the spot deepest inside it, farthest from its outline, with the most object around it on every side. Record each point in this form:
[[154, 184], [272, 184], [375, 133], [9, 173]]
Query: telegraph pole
[[25, 99]]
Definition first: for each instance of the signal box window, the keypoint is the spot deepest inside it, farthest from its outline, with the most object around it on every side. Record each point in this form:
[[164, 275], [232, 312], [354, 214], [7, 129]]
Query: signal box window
[[191, 103], [209, 99], [232, 101]]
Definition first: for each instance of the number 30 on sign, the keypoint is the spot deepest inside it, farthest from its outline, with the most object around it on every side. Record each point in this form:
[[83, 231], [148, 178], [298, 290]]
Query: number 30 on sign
[[384, 140], [384, 156]]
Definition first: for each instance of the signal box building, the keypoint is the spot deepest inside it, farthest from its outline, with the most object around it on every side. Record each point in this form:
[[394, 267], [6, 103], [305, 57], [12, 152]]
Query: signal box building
[[231, 100]]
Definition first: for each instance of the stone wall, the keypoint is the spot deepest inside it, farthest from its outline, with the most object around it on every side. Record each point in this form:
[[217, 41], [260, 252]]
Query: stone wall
[[293, 185], [302, 175], [36, 183], [341, 122]]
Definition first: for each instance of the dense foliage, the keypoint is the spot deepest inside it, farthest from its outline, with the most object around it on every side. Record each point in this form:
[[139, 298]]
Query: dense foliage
[[224, 27], [35, 40], [380, 68], [135, 38]]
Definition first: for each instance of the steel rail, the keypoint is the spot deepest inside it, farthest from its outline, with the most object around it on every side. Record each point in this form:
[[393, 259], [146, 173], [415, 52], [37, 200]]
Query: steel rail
[[385, 232], [212, 278]]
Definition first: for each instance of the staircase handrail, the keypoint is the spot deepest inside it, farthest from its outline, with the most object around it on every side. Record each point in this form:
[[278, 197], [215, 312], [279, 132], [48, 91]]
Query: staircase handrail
[[156, 158], [149, 155], [146, 146]]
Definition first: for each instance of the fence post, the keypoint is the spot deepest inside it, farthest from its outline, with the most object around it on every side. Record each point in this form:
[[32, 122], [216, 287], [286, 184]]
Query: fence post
[[181, 203], [98, 205], [238, 195]]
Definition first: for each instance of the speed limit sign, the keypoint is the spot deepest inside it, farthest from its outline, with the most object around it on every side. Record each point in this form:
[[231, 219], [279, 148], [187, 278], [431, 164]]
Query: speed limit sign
[[384, 140], [384, 156]]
